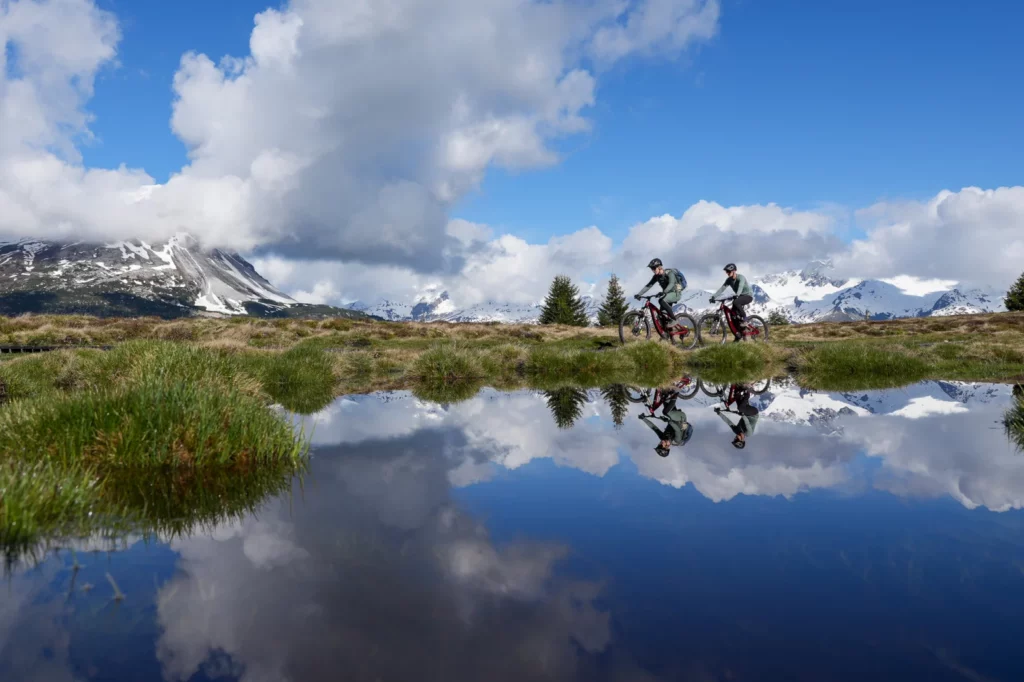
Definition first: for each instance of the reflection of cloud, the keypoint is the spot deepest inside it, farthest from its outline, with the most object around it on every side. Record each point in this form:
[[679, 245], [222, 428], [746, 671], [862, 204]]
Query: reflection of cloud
[[927, 406], [384, 578]]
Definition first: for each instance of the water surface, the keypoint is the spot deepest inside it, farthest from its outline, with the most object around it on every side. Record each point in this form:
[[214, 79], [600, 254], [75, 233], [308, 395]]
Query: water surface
[[531, 535]]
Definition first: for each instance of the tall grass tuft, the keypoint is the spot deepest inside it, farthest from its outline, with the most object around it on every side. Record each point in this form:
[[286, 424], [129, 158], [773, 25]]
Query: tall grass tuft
[[301, 379], [851, 366], [166, 422]]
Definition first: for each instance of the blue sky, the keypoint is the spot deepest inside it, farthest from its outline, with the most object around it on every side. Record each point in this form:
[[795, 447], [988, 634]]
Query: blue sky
[[800, 103]]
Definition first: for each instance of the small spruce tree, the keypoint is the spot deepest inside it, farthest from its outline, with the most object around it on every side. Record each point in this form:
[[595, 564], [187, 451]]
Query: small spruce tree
[[1015, 296], [777, 318], [614, 306], [563, 304]]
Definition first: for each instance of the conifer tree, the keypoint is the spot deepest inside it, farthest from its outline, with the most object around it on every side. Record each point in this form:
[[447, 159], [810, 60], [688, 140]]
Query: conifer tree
[[563, 304], [1015, 296], [566, 405], [614, 306], [618, 400]]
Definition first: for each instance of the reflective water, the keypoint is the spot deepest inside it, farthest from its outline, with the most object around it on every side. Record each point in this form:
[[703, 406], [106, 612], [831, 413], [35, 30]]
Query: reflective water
[[527, 536]]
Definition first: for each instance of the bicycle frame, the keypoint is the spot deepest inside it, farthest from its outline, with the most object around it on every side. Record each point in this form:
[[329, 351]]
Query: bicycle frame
[[726, 313], [655, 313]]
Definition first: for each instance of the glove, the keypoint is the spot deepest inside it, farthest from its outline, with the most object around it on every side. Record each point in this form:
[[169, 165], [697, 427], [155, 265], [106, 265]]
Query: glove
[[717, 410], [636, 296], [641, 416], [661, 295]]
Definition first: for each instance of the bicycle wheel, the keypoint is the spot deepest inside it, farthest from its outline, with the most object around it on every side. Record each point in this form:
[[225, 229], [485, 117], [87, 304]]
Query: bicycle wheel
[[688, 387], [757, 323], [689, 339], [710, 329], [759, 387], [713, 390], [634, 326]]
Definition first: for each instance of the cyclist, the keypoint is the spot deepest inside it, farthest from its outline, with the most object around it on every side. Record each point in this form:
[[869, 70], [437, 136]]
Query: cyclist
[[741, 289], [747, 414], [672, 284], [677, 432]]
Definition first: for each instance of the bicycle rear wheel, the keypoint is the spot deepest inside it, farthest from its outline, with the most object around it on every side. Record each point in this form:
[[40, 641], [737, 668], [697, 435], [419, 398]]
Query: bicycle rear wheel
[[713, 390], [688, 387], [710, 329], [634, 326], [759, 387]]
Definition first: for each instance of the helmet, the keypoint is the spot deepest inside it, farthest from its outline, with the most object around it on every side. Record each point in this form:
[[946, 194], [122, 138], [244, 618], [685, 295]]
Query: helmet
[[662, 451], [730, 267], [656, 263], [739, 444]]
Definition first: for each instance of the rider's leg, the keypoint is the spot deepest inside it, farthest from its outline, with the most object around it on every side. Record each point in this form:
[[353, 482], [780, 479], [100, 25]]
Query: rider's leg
[[739, 307], [666, 303]]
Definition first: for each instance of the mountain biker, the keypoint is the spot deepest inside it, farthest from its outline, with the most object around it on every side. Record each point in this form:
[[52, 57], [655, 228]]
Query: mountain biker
[[678, 431], [741, 289], [747, 414], [672, 285]]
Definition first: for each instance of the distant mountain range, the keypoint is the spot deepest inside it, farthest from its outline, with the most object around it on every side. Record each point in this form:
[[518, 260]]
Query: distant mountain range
[[173, 279], [179, 278], [807, 295]]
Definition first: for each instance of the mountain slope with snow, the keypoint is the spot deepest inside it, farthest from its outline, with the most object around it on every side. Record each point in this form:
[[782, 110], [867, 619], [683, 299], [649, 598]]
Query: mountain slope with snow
[[173, 279]]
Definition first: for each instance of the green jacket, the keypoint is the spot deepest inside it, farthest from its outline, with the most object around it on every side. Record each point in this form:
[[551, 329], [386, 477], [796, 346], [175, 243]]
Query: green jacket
[[746, 424], [676, 429], [668, 282], [738, 284]]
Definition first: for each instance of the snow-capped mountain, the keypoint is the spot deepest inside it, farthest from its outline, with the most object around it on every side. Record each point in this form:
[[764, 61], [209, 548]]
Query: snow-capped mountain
[[432, 308], [171, 279]]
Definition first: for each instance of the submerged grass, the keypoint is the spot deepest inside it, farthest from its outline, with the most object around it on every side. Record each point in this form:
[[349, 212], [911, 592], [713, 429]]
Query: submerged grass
[[1013, 418]]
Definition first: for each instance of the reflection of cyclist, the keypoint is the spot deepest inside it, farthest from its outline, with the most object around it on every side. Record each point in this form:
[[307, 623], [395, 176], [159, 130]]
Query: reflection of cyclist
[[672, 284], [741, 290], [746, 414], [677, 430]]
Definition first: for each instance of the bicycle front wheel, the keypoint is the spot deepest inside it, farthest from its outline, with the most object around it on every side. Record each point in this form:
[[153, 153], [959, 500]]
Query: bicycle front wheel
[[689, 338], [634, 326], [758, 328], [710, 329]]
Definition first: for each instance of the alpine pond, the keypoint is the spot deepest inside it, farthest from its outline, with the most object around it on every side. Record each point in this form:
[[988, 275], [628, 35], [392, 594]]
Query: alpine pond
[[553, 535]]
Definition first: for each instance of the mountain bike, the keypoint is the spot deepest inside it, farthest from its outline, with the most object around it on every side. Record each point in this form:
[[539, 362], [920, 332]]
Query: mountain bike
[[715, 327], [637, 324], [717, 390]]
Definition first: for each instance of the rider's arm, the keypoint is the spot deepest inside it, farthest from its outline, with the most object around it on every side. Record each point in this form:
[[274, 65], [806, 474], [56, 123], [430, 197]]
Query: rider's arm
[[672, 281], [646, 419], [721, 289], [649, 285]]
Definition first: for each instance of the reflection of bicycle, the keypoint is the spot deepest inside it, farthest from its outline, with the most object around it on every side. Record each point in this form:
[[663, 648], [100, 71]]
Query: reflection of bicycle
[[685, 388], [715, 327], [717, 390], [636, 325]]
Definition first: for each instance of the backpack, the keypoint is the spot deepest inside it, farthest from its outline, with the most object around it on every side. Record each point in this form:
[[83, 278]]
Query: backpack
[[680, 279]]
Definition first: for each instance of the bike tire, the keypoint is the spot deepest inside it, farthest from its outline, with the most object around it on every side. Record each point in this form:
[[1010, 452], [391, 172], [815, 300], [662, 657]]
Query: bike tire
[[690, 390], [690, 339], [635, 324], [758, 322], [713, 392], [756, 389], [710, 329]]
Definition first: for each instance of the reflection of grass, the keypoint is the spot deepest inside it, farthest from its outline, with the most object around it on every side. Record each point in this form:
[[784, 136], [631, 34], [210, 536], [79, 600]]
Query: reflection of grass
[[167, 502], [1013, 418], [736, 362]]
